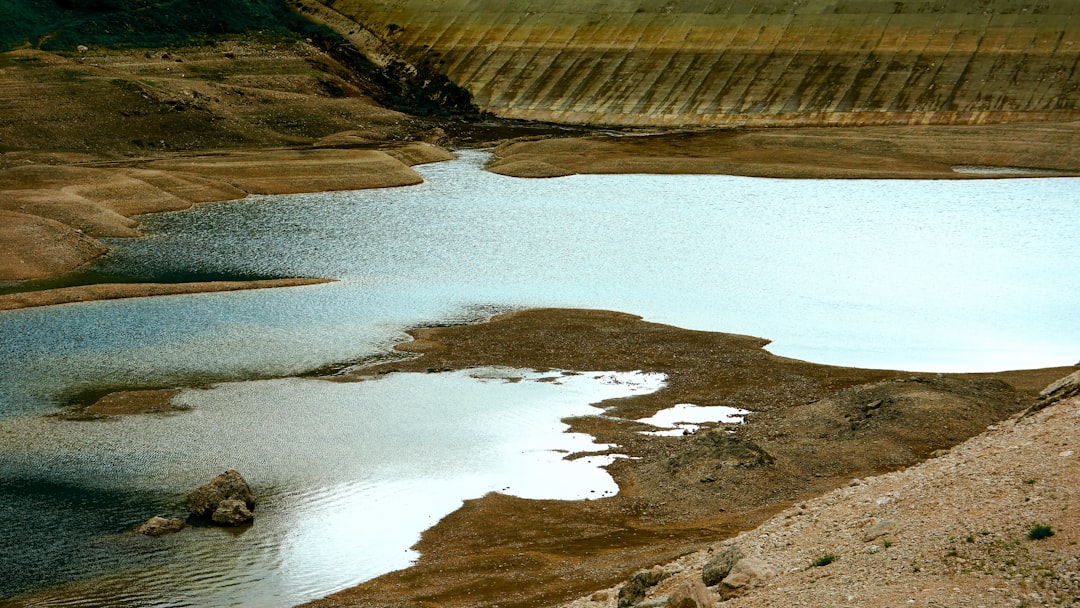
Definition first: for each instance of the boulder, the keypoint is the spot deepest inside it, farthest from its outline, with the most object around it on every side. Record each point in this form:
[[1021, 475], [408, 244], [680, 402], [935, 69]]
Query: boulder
[[747, 573], [719, 566], [226, 499], [882, 528], [232, 513], [691, 594], [157, 526], [633, 592]]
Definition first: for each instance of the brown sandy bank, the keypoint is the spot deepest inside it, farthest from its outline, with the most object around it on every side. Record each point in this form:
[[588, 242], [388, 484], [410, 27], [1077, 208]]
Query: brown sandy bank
[[814, 428], [115, 291], [919, 152]]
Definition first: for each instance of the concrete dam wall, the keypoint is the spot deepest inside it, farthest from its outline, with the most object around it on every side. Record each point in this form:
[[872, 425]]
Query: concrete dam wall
[[745, 62]]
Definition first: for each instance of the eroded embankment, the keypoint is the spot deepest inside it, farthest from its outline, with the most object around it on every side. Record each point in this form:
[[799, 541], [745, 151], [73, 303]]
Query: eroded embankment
[[814, 428], [745, 62]]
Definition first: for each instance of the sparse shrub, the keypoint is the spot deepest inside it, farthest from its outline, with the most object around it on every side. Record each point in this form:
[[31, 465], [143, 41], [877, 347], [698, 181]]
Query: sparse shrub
[[1040, 532], [824, 560], [886, 543]]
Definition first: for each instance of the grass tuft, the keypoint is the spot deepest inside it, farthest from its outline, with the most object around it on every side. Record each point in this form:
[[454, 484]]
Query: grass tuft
[[1040, 532]]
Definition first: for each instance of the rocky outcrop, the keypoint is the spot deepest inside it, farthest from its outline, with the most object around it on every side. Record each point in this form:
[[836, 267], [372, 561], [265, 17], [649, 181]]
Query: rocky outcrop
[[226, 500], [159, 526], [1067, 387]]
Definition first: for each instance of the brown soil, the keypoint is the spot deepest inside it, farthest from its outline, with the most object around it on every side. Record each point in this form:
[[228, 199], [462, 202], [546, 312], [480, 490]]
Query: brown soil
[[115, 291], [130, 403], [814, 428], [929, 152]]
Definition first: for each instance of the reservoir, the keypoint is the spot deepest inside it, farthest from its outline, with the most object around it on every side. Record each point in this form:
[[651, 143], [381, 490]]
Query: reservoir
[[920, 275]]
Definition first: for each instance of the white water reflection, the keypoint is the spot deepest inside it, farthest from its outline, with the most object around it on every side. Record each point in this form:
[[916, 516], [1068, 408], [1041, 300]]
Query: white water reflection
[[349, 474], [685, 418]]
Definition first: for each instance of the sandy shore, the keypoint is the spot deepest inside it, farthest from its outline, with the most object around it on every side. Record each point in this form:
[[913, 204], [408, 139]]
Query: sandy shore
[[115, 291], [52, 215], [810, 433]]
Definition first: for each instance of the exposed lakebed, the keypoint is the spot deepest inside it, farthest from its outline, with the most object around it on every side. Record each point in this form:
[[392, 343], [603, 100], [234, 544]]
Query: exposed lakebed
[[916, 275]]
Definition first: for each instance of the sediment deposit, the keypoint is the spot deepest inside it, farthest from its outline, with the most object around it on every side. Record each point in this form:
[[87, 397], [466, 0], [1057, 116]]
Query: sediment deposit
[[814, 428]]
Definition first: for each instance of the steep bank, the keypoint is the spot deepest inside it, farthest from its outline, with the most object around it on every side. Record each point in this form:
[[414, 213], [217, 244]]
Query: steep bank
[[814, 428], [746, 62]]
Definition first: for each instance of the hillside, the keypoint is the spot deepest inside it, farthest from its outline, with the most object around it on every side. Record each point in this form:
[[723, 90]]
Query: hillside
[[66, 24], [955, 530], [746, 62]]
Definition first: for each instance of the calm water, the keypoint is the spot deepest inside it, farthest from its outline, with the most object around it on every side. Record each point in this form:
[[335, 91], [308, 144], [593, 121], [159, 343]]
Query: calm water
[[914, 274]]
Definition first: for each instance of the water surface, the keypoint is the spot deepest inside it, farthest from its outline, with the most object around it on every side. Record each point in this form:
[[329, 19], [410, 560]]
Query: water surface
[[927, 275]]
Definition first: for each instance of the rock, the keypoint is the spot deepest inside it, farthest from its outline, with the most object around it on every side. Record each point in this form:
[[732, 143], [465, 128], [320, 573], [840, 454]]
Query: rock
[[221, 494], [719, 566], [882, 528], [747, 573], [600, 596], [157, 526], [633, 592], [232, 513], [1069, 386], [690, 594]]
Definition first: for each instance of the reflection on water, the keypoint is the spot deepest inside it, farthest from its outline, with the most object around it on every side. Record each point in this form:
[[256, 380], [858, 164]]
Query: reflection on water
[[685, 418], [348, 476], [912, 274]]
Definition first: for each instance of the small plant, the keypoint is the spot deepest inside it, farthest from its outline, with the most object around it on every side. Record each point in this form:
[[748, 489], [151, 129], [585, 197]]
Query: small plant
[[886, 543], [1040, 532], [970, 539], [824, 560]]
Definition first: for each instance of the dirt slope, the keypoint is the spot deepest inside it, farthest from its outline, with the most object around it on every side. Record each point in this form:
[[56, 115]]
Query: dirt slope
[[952, 531]]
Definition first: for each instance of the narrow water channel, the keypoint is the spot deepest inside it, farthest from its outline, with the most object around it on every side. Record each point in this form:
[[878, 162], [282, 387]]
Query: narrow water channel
[[957, 276]]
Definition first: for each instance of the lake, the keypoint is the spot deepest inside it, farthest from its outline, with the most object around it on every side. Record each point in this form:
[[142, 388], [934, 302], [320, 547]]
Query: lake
[[922, 275]]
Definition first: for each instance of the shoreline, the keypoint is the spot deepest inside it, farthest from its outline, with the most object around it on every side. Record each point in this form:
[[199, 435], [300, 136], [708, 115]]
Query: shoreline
[[53, 213], [677, 494]]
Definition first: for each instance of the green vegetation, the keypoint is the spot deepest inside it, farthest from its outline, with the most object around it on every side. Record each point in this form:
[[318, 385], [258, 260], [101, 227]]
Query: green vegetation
[[1040, 532], [65, 24], [824, 560]]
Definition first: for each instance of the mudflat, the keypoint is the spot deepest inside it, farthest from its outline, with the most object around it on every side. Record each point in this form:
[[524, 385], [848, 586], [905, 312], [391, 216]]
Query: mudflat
[[813, 429]]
